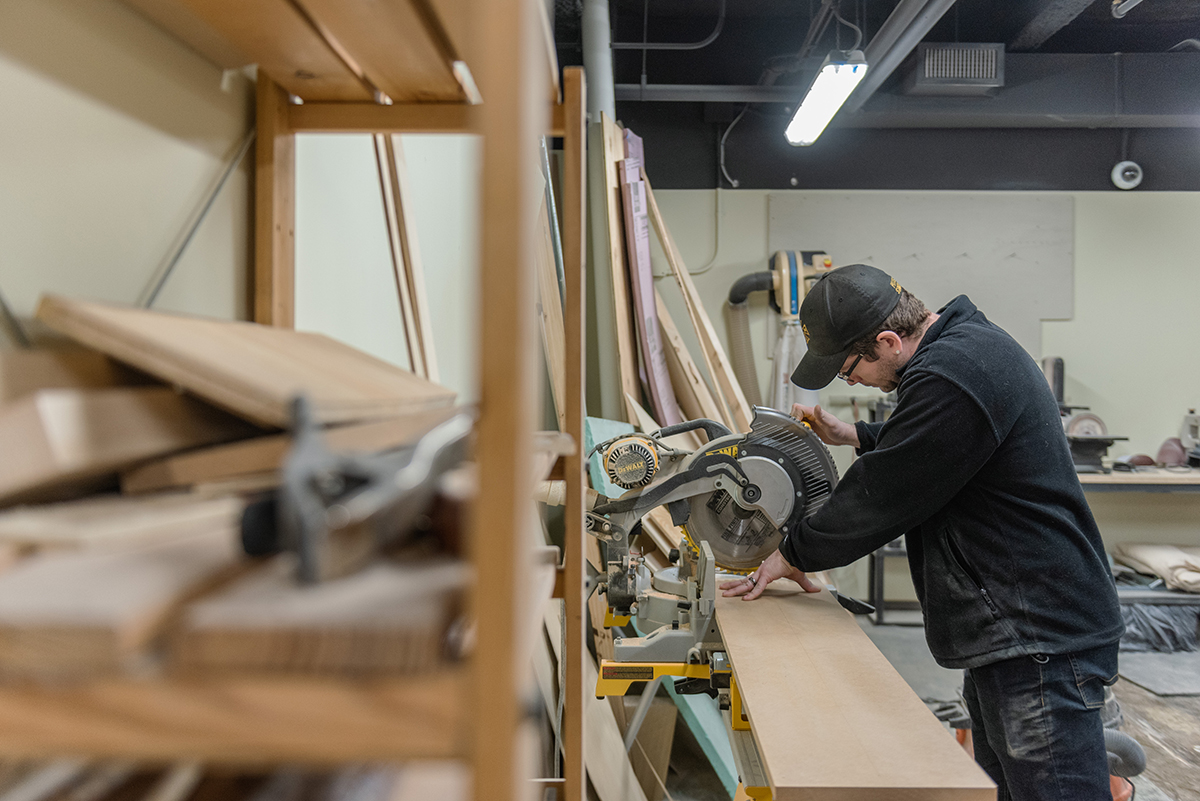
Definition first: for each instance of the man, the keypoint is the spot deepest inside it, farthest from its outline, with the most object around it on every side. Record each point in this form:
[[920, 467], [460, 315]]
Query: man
[[973, 467]]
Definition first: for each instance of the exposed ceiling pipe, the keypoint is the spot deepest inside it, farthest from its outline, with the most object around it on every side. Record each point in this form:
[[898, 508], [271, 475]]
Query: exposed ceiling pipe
[[597, 60], [1050, 20], [705, 42], [887, 49]]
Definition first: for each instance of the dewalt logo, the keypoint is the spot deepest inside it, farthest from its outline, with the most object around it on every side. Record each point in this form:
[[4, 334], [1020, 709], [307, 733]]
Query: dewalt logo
[[808, 336], [731, 450], [896, 286]]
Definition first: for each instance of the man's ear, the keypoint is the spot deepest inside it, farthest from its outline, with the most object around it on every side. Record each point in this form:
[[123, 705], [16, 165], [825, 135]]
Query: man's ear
[[890, 341]]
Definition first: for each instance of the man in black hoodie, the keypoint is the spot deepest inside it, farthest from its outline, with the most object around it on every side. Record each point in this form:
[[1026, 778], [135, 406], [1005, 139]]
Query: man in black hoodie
[[974, 470]]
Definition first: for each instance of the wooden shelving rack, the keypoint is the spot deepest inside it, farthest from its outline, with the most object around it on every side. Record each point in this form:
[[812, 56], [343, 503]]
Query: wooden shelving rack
[[485, 67]]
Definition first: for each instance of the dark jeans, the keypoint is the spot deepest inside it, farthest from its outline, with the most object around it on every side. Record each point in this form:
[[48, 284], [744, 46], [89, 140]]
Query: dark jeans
[[1036, 724]]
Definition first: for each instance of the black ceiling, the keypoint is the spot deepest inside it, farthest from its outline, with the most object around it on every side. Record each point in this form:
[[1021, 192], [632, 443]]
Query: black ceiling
[[1037, 132]]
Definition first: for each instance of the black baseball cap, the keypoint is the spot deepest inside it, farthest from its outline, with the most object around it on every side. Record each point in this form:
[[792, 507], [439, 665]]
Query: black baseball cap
[[843, 306]]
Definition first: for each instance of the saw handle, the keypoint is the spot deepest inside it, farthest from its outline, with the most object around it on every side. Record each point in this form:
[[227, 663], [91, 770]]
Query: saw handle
[[711, 427]]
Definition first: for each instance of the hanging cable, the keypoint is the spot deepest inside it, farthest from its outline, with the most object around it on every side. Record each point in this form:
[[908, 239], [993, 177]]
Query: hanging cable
[[705, 42], [858, 34]]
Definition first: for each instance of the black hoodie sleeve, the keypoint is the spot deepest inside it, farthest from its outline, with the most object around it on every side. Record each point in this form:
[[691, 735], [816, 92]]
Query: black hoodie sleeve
[[935, 441]]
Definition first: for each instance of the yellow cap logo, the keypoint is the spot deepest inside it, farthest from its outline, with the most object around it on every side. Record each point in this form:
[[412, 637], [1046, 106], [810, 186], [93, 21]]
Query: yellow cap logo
[[807, 336], [896, 286]]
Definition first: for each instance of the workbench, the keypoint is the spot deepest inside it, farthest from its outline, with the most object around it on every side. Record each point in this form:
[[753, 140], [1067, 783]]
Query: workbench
[[1148, 479]]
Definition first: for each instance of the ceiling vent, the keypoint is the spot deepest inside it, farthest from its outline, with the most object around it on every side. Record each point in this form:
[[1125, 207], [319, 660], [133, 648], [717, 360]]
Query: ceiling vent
[[958, 69]]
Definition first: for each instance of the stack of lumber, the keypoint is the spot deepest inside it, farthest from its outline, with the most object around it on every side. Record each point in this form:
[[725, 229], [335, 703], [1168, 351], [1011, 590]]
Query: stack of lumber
[[183, 414]]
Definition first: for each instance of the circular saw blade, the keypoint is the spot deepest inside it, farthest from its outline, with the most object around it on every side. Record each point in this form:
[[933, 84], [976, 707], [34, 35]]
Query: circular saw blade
[[795, 473]]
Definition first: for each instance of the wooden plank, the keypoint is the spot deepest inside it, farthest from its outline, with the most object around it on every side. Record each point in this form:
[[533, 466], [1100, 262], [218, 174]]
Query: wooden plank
[[390, 190], [614, 152], [375, 118], [387, 618], [61, 438], [274, 208], [414, 268], [252, 370], [714, 355], [266, 454], [550, 315], [399, 46], [85, 612], [574, 203], [108, 520], [25, 371], [240, 720], [866, 735], [277, 36], [695, 397]]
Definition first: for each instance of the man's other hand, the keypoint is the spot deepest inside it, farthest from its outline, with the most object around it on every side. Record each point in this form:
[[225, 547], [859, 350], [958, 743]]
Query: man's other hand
[[775, 567], [825, 425]]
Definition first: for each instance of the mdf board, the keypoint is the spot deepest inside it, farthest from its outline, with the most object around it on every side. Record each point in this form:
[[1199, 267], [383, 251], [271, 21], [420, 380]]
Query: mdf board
[[106, 521], [64, 614], [832, 719], [252, 370], [387, 618], [266, 454], [59, 438]]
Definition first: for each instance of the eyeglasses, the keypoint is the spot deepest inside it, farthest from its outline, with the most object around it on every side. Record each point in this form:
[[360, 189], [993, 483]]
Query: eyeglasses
[[845, 374]]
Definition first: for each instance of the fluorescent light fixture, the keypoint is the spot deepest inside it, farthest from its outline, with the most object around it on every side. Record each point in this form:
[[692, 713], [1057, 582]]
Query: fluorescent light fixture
[[833, 84]]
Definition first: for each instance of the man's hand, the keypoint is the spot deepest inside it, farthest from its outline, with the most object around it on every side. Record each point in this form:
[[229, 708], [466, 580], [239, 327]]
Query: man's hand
[[831, 430], [775, 567]]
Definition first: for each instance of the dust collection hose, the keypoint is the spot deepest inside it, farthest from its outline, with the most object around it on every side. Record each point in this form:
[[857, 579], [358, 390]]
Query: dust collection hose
[[741, 349], [1125, 755]]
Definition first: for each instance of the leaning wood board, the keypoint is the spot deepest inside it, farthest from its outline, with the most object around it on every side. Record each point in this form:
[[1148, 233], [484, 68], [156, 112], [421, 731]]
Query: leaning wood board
[[58, 439], [265, 454], [87, 612], [832, 719], [252, 370], [23, 372]]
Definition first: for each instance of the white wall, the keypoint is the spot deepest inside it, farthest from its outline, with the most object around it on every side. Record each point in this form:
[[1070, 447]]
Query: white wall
[[345, 286], [111, 134], [1129, 350]]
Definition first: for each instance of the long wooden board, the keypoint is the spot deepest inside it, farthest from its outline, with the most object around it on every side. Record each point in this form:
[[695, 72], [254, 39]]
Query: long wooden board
[[116, 520], [60, 438], [387, 618], [695, 398], [266, 454], [85, 612], [832, 718], [712, 351], [627, 359], [550, 315], [247, 720], [252, 370]]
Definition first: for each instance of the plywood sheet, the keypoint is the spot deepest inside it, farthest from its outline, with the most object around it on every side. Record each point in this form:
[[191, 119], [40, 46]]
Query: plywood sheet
[[94, 611], [60, 438], [265, 454], [251, 370], [390, 617], [831, 717]]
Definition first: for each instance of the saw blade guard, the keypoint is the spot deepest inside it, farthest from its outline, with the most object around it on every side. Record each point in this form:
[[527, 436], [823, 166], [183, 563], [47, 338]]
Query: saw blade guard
[[795, 474]]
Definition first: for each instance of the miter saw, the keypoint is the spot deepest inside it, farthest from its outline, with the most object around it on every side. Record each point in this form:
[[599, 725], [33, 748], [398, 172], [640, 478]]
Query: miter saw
[[736, 498]]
